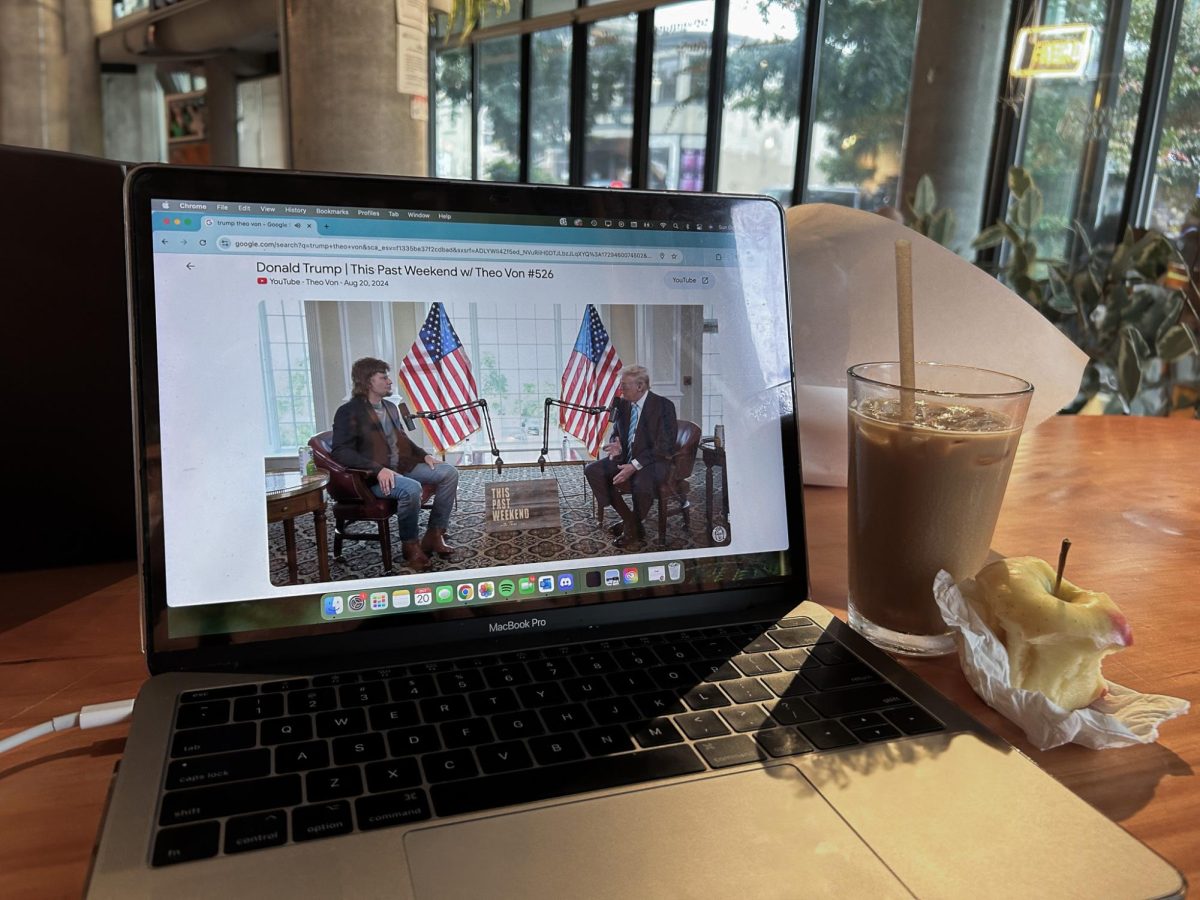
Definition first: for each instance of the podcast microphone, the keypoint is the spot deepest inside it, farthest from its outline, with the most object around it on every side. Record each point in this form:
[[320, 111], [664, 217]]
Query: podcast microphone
[[409, 422], [612, 411]]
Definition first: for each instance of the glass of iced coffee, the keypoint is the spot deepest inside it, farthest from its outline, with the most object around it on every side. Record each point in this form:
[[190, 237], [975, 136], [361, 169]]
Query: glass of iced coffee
[[928, 469]]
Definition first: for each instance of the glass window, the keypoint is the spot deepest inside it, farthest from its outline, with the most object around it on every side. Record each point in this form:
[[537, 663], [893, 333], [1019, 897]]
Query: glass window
[[546, 7], [763, 70], [1177, 168], [290, 417], [608, 103], [499, 108], [452, 114], [679, 95], [550, 107], [493, 15], [862, 100]]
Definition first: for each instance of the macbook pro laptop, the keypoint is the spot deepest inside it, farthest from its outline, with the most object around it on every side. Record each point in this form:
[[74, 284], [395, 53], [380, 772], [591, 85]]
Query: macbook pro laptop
[[559, 707]]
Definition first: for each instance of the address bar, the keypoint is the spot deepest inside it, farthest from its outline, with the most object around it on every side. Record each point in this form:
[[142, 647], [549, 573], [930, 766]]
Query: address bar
[[452, 249]]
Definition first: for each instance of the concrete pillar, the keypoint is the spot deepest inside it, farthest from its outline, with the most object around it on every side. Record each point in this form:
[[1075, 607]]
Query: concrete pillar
[[953, 105], [34, 74], [339, 62], [221, 108], [135, 127], [85, 19]]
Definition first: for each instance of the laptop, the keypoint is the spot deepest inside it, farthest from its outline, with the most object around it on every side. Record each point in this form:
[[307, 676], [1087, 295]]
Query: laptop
[[554, 708]]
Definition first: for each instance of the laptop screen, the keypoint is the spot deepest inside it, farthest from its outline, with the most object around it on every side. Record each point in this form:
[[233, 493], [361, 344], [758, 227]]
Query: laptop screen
[[369, 415]]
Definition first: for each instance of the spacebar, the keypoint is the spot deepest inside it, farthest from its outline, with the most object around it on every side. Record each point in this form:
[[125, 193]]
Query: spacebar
[[568, 778]]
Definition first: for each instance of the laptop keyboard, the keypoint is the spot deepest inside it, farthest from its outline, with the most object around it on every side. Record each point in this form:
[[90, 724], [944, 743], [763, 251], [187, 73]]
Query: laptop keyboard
[[261, 765]]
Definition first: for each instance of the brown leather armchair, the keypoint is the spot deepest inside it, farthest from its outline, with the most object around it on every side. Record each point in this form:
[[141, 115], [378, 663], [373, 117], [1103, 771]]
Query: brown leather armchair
[[672, 498], [353, 500]]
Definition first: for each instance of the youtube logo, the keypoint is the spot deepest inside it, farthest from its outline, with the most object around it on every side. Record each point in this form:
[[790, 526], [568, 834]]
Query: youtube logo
[[262, 280]]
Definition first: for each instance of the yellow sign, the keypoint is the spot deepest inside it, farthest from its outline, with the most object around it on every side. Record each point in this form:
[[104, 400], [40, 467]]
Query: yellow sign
[[1051, 51]]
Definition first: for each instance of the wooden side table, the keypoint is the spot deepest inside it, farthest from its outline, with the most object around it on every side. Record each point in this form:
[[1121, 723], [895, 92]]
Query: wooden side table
[[290, 495], [713, 457]]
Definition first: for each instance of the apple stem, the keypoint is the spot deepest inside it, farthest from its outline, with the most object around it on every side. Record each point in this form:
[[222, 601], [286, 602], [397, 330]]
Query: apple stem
[[1062, 564]]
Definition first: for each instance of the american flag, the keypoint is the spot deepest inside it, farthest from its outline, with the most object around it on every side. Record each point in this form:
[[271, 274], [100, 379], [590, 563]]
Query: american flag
[[436, 375], [591, 378]]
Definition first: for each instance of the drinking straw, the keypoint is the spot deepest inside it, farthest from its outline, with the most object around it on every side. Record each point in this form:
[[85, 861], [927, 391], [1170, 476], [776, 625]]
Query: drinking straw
[[904, 310]]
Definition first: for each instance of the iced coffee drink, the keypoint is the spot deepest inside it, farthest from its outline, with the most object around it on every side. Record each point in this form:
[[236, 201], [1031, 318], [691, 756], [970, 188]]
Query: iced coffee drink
[[926, 482]]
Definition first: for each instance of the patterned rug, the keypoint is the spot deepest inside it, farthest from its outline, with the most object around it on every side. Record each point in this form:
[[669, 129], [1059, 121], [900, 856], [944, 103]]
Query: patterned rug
[[579, 538]]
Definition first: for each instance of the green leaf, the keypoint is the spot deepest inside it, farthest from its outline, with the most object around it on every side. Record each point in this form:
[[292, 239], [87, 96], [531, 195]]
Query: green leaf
[[943, 226], [924, 200], [1178, 341], [1129, 364], [1061, 299], [1018, 181], [992, 236], [1029, 208], [1083, 236]]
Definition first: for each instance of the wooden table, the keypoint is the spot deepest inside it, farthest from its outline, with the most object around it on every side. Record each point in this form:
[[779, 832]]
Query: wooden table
[[1123, 490], [290, 495]]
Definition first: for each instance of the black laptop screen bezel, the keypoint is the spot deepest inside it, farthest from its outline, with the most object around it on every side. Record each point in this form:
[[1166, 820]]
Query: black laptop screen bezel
[[272, 649]]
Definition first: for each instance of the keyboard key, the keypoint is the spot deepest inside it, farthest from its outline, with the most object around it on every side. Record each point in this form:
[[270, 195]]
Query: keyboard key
[[797, 636], [385, 674], [499, 700], [466, 733], [504, 757], [787, 684], [268, 829], [262, 706], [790, 711], [520, 656], [658, 703], [561, 780], [288, 684], [396, 808], [192, 805], [716, 670], [301, 757], [912, 720], [862, 720], [414, 687], [533, 695], [176, 845], [197, 715], [832, 653], [757, 664], [715, 647], [333, 784], [393, 715], [657, 733], [730, 751], [795, 622], [792, 660], [321, 820], [747, 718], [858, 699], [511, 726], [827, 678], [407, 741], [359, 748], [566, 718], [506, 676], [215, 693], [705, 696], [701, 725], [555, 669], [631, 682], [586, 687], [312, 701], [677, 652], [674, 677], [341, 722], [759, 643], [338, 678], [876, 733], [365, 693], [557, 749], [218, 768], [605, 740], [214, 740], [595, 664], [445, 709], [783, 742], [449, 765], [827, 735], [638, 658], [287, 730], [613, 710], [392, 775], [460, 682], [747, 690]]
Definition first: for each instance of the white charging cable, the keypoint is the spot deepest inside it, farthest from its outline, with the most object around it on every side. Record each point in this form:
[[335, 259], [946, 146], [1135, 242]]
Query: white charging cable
[[88, 717]]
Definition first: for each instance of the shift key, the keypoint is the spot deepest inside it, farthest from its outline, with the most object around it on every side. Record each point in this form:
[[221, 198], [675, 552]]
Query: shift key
[[229, 799]]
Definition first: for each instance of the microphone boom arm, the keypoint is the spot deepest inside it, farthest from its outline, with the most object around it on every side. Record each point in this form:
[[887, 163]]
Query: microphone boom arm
[[566, 404], [481, 404]]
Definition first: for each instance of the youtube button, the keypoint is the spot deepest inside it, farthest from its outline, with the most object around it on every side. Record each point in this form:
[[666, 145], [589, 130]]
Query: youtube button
[[262, 280]]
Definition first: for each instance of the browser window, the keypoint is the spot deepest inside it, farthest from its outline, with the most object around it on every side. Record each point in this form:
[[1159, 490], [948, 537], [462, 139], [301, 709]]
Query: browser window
[[525, 357]]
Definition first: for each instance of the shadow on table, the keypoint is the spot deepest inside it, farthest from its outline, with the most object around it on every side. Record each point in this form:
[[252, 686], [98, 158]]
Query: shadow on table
[[36, 592], [113, 747]]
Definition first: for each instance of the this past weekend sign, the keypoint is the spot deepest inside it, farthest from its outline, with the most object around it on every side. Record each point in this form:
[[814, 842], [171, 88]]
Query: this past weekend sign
[[521, 505]]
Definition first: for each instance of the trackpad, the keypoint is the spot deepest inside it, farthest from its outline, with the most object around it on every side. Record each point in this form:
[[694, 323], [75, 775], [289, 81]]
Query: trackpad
[[762, 833]]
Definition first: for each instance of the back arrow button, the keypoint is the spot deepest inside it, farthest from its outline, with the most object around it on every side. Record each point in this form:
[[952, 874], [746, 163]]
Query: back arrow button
[[191, 265]]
